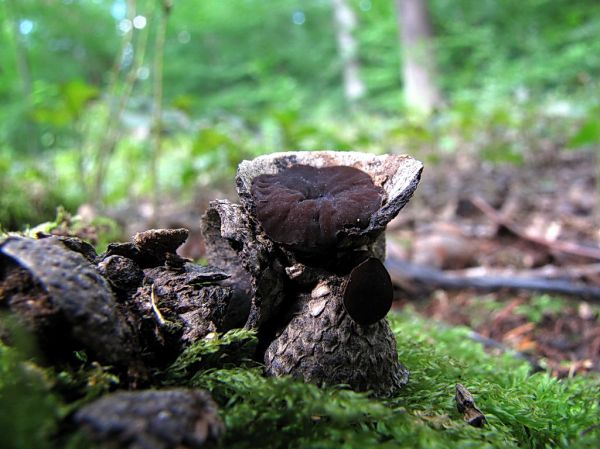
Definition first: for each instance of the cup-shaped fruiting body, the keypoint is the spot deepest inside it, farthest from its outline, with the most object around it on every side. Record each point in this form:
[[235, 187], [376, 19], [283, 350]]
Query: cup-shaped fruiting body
[[326, 195], [307, 208], [309, 233]]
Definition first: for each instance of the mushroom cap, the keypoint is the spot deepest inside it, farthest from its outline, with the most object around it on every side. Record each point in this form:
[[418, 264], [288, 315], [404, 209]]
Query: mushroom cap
[[306, 207], [396, 176], [369, 292]]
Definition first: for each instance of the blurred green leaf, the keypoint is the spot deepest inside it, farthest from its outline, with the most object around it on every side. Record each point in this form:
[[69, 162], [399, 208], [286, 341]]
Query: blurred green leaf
[[77, 94], [588, 134]]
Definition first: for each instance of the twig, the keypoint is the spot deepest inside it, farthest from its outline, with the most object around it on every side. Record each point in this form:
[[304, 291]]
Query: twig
[[157, 90], [558, 245], [403, 273], [159, 316]]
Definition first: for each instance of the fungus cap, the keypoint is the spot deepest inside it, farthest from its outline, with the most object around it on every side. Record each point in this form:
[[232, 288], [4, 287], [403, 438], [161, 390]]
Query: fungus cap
[[306, 207], [368, 293], [395, 175]]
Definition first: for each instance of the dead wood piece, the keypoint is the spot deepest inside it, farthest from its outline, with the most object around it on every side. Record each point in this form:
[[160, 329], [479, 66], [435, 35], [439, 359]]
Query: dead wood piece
[[122, 272], [466, 405], [564, 272], [427, 278], [298, 236], [164, 419], [160, 241], [81, 247], [151, 248], [556, 245], [232, 244], [178, 307], [66, 291], [322, 344]]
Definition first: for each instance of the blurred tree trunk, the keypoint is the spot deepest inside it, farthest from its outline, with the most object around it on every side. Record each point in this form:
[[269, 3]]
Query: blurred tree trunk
[[157, 106], [24, 73], [345, 23], [418, 67]]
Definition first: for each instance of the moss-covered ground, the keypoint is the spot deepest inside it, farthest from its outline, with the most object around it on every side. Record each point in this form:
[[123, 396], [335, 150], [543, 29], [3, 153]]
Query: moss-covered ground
[[523, 410]]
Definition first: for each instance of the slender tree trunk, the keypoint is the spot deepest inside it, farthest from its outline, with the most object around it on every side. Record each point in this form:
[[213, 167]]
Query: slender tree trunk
[[23, 71], [109, 141], [159, 53], [420, 88], [345, 23]]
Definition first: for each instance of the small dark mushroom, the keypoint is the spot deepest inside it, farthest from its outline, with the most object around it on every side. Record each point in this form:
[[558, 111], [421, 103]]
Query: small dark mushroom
[[306, 207], [369, 292]]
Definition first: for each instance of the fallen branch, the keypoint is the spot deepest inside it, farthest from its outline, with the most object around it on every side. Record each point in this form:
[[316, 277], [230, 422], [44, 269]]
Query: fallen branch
[[571, 272], [557, 245], [406, 274]]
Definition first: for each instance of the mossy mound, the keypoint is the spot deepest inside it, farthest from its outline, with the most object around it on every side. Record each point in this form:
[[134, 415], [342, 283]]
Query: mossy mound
[[523, 410]]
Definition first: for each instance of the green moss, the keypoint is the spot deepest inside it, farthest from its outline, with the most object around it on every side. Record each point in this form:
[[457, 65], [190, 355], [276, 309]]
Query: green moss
[[232, 348], [28, 414], [523, 410]]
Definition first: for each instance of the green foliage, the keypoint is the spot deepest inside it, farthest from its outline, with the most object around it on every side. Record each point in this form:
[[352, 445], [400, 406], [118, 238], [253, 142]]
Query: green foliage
[[266, 76], [28, 414], [28, 193], [588, 133], [539, 306]]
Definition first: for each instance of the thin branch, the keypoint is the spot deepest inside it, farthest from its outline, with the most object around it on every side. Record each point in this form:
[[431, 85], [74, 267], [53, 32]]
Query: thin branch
[[571, 272], [558, 245], [117, 107], [406, 273], [159, 316]]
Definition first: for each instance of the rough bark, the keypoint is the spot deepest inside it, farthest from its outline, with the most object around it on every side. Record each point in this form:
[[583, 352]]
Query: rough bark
[[137, 306], [166, 419], [297, 296], [59, 290]]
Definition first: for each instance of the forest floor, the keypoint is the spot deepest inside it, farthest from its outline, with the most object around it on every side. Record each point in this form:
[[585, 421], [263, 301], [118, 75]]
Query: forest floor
[[548, 201], [462, 220]]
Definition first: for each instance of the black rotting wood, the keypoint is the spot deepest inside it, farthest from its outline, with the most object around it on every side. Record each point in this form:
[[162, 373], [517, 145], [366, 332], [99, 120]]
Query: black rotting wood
[[154, 304], [137, 308], [166, 419], [70, 296]]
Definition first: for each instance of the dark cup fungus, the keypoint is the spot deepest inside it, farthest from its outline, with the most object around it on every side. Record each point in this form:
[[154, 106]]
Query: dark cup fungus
[[306, 207], [368, 293]]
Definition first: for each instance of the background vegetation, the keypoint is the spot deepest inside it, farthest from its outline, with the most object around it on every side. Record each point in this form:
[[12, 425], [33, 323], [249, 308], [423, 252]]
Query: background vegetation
[[245, 77]]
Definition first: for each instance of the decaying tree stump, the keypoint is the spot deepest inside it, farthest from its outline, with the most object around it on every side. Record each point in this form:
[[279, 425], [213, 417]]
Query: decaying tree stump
[[307, 241], [137, 306]]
